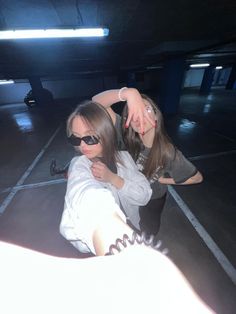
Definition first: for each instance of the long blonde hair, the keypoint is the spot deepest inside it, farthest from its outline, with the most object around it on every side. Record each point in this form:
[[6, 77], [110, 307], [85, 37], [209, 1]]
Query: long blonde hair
[[162, 148]]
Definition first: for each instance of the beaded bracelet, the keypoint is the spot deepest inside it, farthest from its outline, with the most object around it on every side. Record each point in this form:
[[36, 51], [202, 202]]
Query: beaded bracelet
[[120, 244], [119, 94]]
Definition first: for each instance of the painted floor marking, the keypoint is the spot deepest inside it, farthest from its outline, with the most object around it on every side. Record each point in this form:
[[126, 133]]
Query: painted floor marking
[[213, 247], [34, 185], [230, 152], [10, 196]]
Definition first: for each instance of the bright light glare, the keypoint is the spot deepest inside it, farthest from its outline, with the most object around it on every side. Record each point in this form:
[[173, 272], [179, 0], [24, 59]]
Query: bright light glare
[[206, 108], [219, 67], [199, 65], [54, 33], [3, 82], [24, 122], [186, 127]]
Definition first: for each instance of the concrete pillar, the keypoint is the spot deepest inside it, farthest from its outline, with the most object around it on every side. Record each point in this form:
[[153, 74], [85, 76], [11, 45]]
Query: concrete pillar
[[207, 80], [131, 80], [217, 77], [42, 96], [232, 78], [171, 85]]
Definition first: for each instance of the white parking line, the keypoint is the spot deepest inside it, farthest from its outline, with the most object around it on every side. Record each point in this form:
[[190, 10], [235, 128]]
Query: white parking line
[[34, 185], [225, 137], [230, 152], [216, 251], [10, 196]]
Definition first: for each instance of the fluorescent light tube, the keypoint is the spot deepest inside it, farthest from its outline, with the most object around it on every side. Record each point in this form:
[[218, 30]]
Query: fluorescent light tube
[[153, 67], [3, 82], [54, 33], [219, 67], [199, 65]]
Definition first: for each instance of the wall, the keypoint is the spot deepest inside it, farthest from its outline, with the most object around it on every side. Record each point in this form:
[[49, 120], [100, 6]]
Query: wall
[[86, 87], [13, 93], [221, 77], [73, 88], [66, 88], [193, 77]]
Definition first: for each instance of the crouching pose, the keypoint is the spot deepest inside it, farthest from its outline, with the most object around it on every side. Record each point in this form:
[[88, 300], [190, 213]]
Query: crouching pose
[[102, 183]]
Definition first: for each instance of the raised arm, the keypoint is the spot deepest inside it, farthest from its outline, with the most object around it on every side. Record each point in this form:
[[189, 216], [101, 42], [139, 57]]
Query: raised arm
[[136, 105]]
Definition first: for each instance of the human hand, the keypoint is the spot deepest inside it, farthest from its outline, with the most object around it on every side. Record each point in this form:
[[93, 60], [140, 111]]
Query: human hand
[[101, 172], [137, 109]]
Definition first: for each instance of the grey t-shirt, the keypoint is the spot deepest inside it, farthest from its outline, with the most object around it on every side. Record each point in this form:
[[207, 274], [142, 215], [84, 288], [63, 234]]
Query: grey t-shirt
[[178, 167]]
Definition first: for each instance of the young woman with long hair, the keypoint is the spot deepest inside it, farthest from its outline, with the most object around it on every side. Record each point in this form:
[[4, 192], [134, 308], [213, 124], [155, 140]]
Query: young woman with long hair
[[141, 131], [101, 180]]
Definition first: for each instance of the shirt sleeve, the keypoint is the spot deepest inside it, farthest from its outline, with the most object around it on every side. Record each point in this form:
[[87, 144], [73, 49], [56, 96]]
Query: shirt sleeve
[[87, 204], [136, 189], [180, 168]]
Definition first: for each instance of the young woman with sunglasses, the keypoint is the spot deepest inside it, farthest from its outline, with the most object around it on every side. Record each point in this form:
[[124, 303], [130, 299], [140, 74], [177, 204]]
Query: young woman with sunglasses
[[141, 130], [101, 181]]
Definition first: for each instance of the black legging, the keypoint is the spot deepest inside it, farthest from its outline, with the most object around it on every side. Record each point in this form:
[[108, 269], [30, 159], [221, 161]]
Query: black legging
[[150, 215]]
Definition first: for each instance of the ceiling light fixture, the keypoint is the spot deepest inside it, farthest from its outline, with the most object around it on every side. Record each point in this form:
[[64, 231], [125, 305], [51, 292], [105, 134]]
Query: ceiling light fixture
[[3, 82], [199, 65], [53, 33], [154, 67], [219, 67]]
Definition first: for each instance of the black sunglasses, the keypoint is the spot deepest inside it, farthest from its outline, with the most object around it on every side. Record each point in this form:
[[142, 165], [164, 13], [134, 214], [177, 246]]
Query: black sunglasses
[[89, 140]]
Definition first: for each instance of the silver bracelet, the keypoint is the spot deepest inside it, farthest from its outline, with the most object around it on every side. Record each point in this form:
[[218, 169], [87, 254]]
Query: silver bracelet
[[119, 94]]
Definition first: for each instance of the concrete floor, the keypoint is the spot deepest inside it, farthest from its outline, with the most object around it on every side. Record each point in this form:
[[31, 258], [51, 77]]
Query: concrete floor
[[198, 224]]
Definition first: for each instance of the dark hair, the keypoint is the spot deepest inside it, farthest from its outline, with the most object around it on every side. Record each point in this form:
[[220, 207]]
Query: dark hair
[[100, 121], [162, 148]]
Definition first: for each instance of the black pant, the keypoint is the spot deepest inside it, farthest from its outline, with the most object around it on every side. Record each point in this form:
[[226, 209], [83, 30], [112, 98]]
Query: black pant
[[150, 215]]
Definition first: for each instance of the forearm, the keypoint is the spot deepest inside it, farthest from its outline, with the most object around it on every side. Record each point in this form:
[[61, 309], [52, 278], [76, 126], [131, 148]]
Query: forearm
[[135, 103], [107, 233], [112, 96], [110, 276], [197, 178], [117, 181], [107, 98]]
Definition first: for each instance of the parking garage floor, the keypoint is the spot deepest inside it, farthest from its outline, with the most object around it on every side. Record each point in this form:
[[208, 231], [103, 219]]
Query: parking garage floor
[[199, 222]]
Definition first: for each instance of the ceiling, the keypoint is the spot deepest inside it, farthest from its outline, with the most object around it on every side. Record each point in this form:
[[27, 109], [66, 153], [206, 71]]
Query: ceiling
[[143, 34]]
